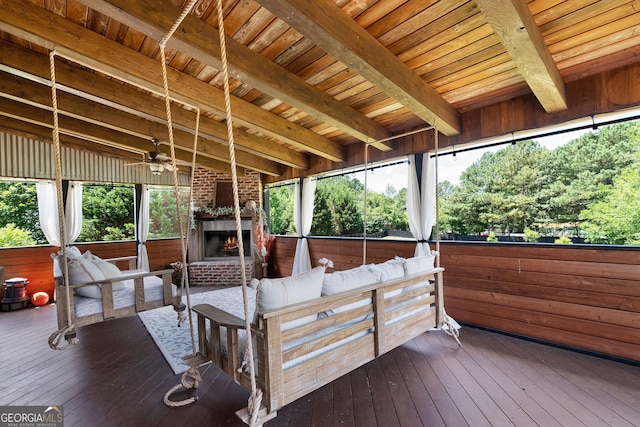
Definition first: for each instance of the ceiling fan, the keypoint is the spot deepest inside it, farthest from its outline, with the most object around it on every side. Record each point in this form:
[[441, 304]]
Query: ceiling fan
[[156, 161]]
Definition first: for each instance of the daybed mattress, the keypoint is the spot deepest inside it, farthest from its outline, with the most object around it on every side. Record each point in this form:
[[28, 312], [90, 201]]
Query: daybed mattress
[[153, 291]]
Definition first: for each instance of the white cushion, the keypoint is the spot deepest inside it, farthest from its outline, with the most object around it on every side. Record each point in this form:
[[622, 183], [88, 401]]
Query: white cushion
[[281, 292], [110, 271], [72, 252], [342, 281], [81, 271], [91, 257], [390, 270], [418, 265]]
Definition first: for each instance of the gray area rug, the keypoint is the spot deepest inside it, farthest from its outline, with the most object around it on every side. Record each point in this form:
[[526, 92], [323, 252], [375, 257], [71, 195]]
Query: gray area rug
[[175, 341]]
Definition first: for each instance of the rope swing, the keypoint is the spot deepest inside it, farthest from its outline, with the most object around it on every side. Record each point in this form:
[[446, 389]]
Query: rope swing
[[191, 378], [255, 399], [67, 332]]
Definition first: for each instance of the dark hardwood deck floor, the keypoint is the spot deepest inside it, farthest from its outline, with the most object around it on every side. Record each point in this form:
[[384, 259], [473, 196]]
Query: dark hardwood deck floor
[[117, 377]]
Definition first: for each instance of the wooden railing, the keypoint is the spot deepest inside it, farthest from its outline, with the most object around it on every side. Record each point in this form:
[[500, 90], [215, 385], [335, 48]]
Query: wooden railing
[[585, 297], [579, 296]]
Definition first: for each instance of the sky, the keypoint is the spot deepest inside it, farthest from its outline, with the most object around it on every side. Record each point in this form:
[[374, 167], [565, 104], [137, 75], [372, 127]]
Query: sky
[[449, 167]]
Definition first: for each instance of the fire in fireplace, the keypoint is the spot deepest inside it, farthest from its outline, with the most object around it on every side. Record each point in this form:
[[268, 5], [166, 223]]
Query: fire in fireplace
[[220, 241]]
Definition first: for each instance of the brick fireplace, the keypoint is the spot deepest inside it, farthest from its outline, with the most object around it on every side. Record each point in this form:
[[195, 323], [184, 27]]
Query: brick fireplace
[[213, 252], [214, 257]]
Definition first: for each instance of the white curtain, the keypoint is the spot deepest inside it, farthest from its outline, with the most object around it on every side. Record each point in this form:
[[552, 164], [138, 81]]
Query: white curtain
[[303, 217], [48, 211], [421, 197], [143, 229]]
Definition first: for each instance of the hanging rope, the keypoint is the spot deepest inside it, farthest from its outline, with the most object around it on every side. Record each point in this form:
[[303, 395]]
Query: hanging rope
[[67, 332], [447, 324], [364, 208], [191, 378], [255, 399]]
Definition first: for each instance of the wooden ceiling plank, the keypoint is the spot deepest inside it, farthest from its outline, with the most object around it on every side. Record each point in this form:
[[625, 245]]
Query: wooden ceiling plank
[[200, 41], [82, 45], [337, 34], [514, 25], [123, 97]]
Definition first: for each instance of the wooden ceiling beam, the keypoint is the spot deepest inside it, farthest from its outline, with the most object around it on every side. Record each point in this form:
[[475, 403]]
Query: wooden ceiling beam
[[44, 133], [514, 25], [34, 66], [340, 36], [81, 45], [98, 134], [201, 41], [73, 106]]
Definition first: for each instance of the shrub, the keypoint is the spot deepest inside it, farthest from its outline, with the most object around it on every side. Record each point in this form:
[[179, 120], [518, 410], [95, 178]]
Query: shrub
[[531, 235], [492, 237], [10, 235], [563, 240]]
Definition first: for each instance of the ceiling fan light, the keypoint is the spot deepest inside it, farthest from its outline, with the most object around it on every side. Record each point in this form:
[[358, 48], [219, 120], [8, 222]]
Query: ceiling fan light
[[156, 168]]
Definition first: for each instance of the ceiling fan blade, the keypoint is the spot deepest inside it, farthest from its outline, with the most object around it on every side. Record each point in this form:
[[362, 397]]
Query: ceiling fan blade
[[135, 164]]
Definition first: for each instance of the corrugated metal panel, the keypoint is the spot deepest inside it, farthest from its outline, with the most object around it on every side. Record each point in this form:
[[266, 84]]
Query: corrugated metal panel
[[22, 157]]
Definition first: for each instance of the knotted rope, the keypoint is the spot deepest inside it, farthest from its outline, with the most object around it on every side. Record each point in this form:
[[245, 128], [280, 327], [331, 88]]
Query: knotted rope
[[68, 332], [191, 378]]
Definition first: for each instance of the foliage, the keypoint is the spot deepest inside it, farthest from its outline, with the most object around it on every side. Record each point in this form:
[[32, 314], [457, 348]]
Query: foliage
[[337, 207], [387, 211], [616, 218], [107, 213], [498, 191], [163, 217], [10, 236], [563, 240], [19, 206], [578, 174], [281, 210], [586, 185], [492, 237], [531, 235]]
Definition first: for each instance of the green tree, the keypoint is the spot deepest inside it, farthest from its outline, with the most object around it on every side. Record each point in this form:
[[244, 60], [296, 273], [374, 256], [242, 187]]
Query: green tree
[[11, 236], [19, 206], [163, 218], [578, 174], [338, 207], [387, 211], [281, 210], [616, 218], [107, 213], [498, 191]]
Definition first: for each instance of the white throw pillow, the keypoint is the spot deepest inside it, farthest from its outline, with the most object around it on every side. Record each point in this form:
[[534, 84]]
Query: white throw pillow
[[347, 280], [82, 270], [281, 292], [418, 265], [390, 270], [110, 271], [91, 257]]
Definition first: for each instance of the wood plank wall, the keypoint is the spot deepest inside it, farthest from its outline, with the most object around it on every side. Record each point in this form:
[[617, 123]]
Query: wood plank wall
[[576, 296], [579, 296], [35, 262]]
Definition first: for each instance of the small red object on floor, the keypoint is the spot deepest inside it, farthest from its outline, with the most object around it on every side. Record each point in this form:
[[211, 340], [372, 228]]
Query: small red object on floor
[[39, 298]]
